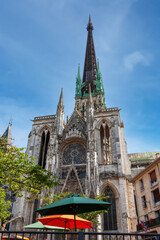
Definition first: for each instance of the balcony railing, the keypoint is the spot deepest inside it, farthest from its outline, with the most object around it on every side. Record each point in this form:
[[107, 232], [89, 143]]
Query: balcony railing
[[149, 224]]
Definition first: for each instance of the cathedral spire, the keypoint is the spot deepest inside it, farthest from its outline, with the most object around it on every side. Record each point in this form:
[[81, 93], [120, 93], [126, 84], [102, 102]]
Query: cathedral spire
[[90, 66], [60, 114], [8, 134]]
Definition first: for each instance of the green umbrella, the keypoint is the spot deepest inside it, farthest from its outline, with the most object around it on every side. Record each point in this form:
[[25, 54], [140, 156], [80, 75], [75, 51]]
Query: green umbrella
[[74, 204], [39, 225]]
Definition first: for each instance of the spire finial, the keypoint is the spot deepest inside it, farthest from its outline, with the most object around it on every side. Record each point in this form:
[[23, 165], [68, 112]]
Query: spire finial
[[97, 63], [60, 103], [78, 69], [61, 96], [10, 122], [89, 26]]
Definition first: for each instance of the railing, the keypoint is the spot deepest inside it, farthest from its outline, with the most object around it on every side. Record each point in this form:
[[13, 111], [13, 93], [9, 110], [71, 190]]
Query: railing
[[150, 223], [45, 117], [48, 235], [112, 109]]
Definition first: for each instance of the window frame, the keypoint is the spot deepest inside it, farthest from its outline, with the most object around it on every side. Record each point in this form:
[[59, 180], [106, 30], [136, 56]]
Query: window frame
[[141, 184], [111, 215], [153, 197], [153, 183], [144, 202]]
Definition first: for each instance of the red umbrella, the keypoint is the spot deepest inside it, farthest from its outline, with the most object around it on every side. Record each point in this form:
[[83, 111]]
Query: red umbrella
[[65, 221]]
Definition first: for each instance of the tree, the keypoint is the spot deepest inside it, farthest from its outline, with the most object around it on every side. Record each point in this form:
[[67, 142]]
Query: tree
[[4, 205], [19, 172]]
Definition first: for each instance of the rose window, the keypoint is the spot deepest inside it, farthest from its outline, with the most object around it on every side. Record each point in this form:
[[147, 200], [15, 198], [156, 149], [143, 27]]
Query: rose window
[[74, 154]]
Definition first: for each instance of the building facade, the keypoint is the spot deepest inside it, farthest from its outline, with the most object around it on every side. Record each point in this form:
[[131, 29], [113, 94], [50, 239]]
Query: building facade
[[147, 195], [88, 152]]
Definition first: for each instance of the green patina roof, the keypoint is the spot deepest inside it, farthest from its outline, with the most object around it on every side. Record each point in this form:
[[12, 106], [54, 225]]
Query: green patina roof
[[145, 156], [98, 83]]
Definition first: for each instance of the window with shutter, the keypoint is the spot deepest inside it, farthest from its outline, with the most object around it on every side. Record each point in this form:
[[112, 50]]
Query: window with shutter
[[153, 178], [156, 196]]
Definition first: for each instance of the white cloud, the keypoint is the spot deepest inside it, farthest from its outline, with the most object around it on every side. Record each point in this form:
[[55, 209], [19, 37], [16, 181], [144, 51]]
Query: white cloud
[[131, 60]]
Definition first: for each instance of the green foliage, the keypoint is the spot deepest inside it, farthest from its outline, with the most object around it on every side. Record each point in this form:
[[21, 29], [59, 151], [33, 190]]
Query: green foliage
[[19, 172], [4, 205]]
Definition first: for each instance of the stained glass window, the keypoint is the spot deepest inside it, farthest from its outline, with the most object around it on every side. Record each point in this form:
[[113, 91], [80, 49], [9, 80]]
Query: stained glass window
[[81, 173], [74, 154]]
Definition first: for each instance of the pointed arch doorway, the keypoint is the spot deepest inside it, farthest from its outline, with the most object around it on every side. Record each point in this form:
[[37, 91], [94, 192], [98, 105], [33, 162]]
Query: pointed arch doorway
[[110, 218]]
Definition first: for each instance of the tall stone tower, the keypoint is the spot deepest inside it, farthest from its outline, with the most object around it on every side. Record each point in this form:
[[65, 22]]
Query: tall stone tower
[[88, 153]]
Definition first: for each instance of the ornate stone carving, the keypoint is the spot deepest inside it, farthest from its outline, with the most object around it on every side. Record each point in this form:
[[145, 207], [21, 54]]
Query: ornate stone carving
[[109, 174]]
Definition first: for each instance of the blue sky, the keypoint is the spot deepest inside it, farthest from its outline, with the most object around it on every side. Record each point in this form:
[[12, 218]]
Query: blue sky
[[42, 42]]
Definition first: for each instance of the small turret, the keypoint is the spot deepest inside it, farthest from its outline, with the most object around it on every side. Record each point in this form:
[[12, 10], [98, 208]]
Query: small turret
[[8, 134], [78, 84], [60, 114], [99, 82]]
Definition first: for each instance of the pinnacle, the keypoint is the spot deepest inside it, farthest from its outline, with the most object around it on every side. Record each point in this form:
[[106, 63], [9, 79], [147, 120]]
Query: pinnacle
[[60, 103], [89, 26]]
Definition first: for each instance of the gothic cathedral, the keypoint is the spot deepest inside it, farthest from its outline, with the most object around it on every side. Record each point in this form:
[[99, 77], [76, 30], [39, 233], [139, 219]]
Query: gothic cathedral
[[88, 152]]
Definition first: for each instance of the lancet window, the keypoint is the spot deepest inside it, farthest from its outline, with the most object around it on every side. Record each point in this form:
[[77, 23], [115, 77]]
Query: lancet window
[[105, 144], [35, 214], [110, 218], [43, 148]]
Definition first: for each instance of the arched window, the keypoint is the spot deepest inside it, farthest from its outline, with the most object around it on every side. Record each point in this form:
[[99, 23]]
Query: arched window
[[110, 218], [105, 144], [43, 149], [35, 207]]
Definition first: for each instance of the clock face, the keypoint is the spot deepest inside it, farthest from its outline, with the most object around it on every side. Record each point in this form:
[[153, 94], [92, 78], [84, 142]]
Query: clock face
[[74, 153]]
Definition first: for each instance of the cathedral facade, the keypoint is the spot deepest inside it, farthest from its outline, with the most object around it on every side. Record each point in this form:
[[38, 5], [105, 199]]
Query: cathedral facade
[[88, 152]]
